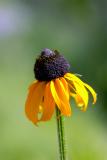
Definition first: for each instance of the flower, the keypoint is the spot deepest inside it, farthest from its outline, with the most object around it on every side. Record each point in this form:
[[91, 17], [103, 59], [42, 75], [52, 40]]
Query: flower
[[53, 88]]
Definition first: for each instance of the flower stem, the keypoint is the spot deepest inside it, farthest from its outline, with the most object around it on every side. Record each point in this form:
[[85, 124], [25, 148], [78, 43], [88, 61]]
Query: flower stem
[[61, 136]]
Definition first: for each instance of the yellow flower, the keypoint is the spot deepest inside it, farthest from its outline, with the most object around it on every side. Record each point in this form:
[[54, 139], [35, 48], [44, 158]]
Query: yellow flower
[[44, 95]]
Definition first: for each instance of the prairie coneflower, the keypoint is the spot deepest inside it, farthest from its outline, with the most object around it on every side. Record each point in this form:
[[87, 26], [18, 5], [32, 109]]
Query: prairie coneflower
[[53, 88]]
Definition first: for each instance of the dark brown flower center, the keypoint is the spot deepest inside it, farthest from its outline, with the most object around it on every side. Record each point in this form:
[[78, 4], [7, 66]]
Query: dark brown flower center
[[50, 65]]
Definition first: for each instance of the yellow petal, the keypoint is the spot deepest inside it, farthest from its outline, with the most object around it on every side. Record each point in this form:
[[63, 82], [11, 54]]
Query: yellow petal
[[34, 100], [82, 92], [72, 77], [60, 97], [92, 92], [72, 88], [65, 85], [48, 104], [79, 101], [78, 87]]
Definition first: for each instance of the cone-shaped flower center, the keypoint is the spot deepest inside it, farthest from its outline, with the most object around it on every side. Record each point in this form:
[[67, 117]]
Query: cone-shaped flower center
[[50, 65]]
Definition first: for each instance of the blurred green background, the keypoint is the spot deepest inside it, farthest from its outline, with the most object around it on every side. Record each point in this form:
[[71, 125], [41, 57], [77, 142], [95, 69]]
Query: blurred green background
[[78, 29]]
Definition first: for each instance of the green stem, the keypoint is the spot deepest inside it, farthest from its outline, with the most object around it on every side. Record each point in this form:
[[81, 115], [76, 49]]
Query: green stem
[[61, 136]]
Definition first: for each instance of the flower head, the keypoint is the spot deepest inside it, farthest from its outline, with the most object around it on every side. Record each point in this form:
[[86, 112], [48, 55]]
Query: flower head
[[53, 88]]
